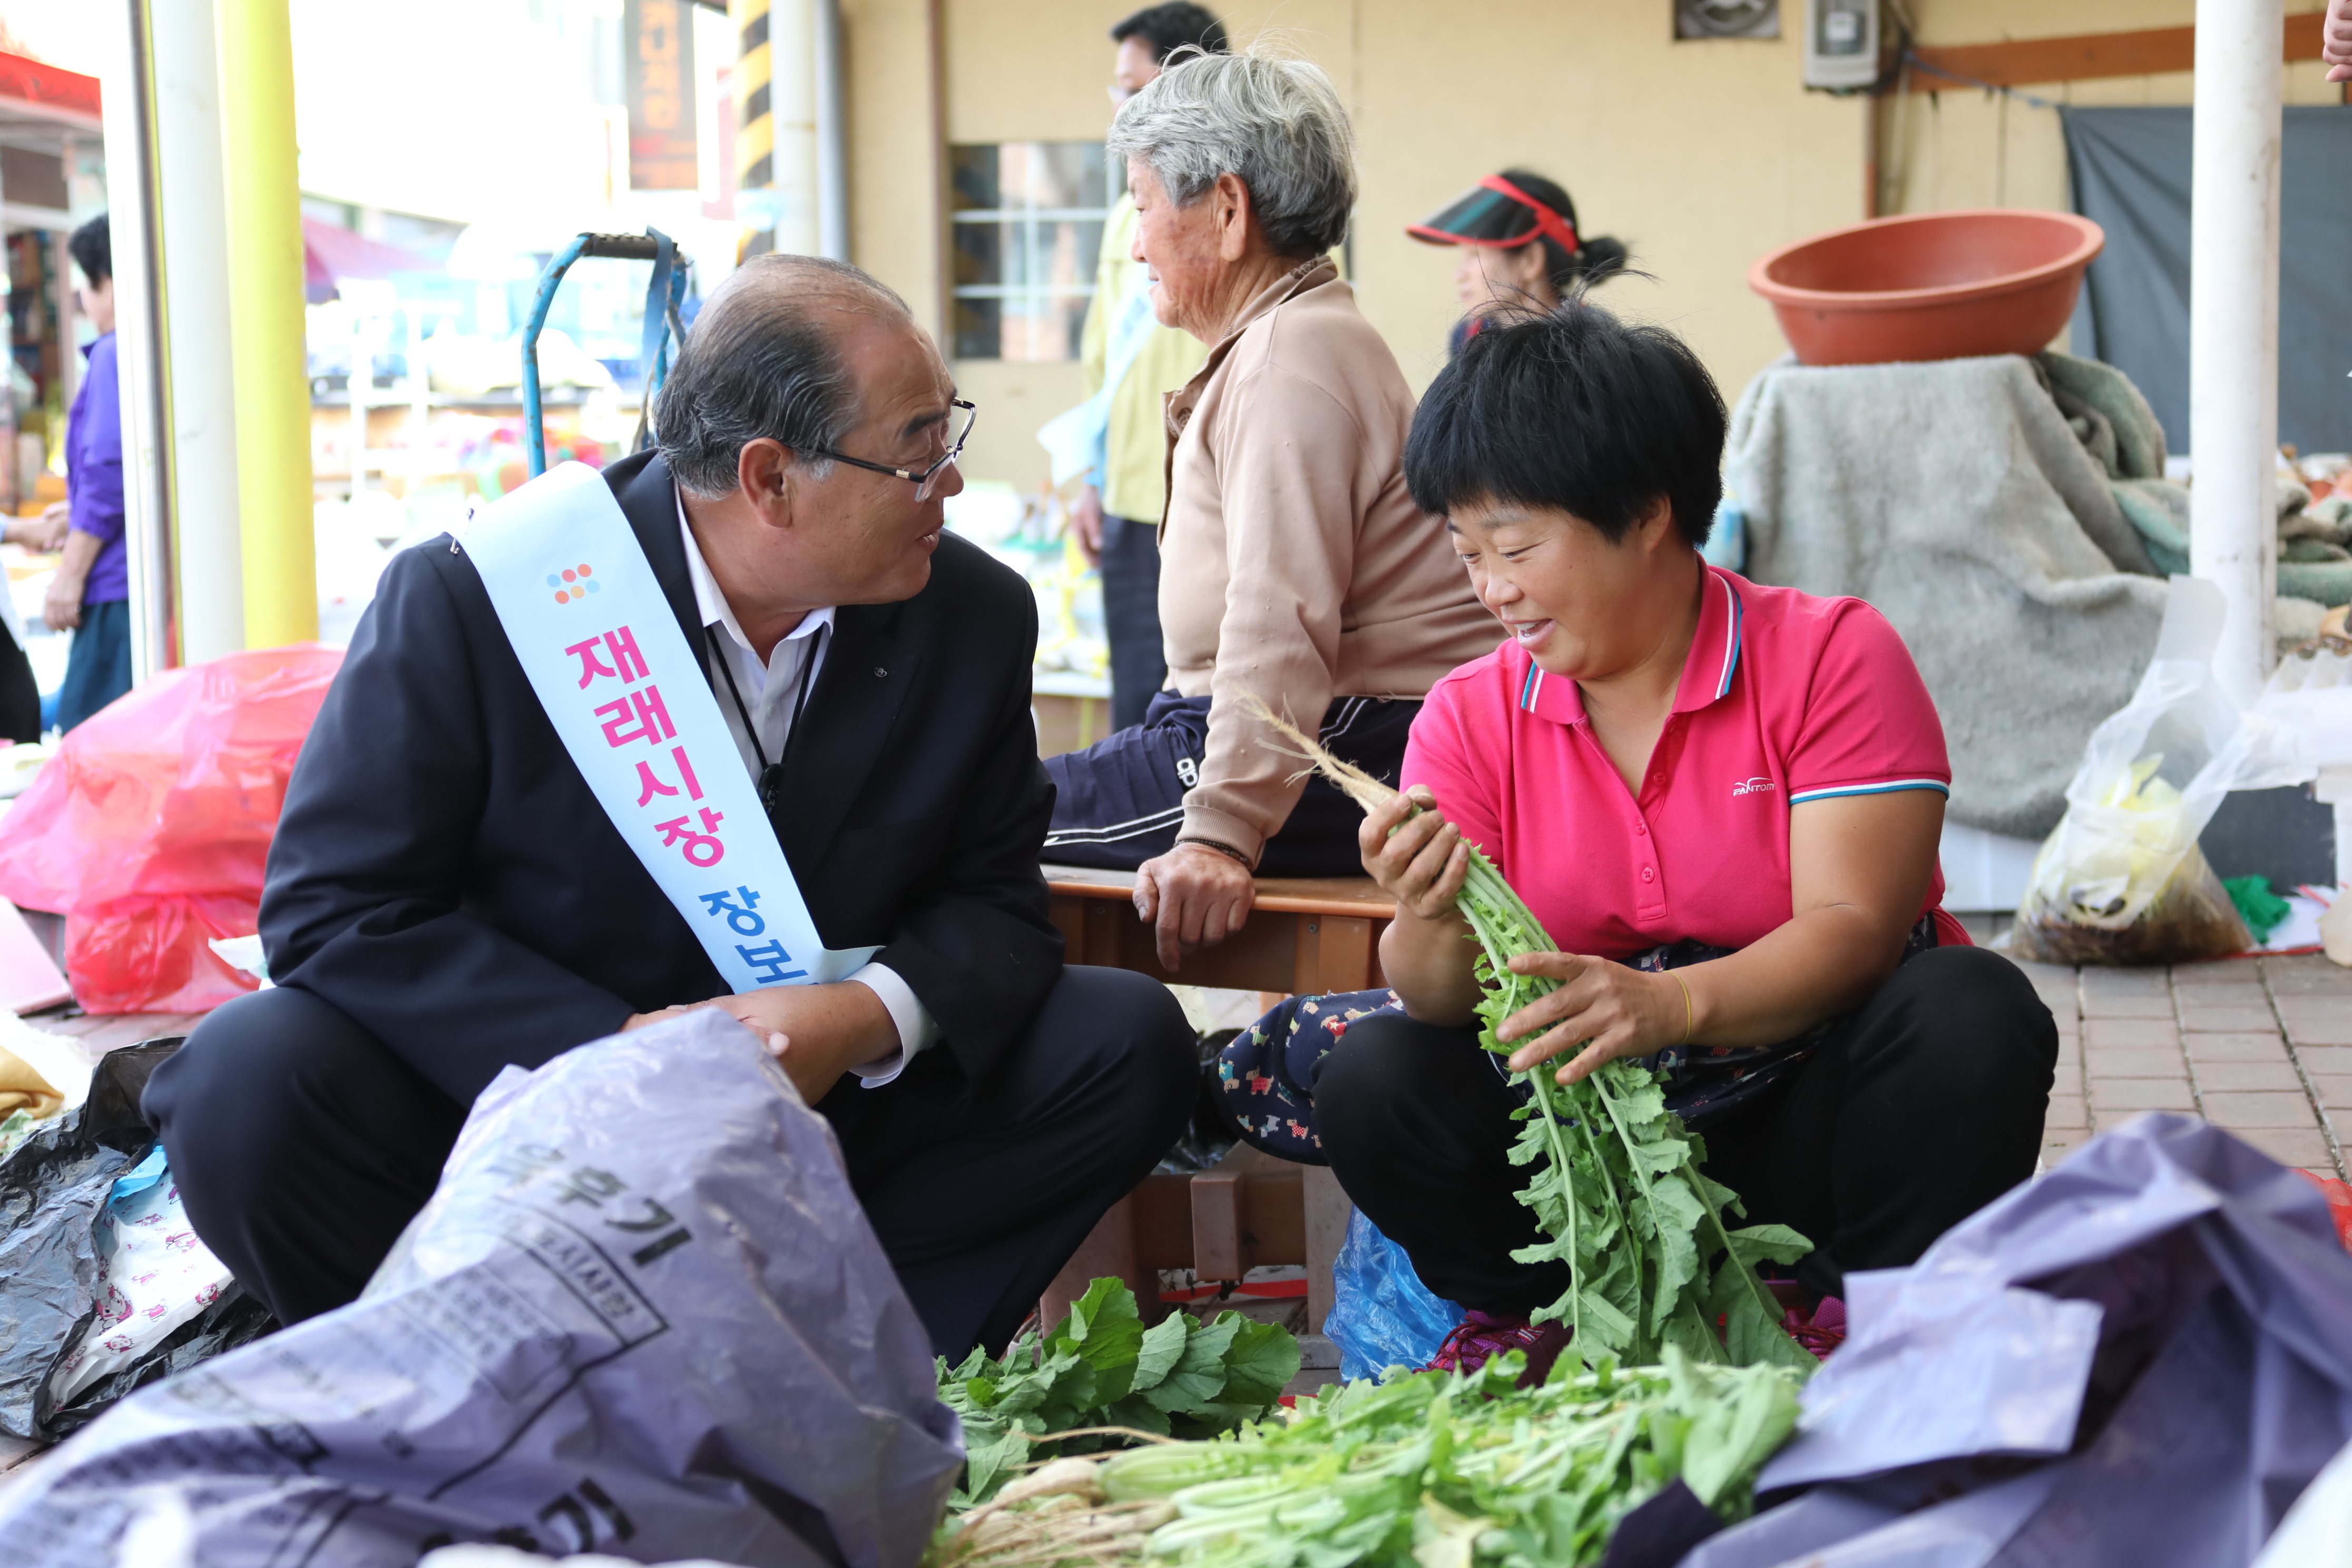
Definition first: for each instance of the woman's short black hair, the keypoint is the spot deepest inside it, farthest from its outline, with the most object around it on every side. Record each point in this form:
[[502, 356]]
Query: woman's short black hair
[[1576, 410], [93, 251], [1174, 27]]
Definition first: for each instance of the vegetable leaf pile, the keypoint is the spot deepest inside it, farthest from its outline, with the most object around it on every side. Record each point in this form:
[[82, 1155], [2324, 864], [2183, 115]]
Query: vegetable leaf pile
[[1430, 1470], [1617, 1189], [1101, 1367]]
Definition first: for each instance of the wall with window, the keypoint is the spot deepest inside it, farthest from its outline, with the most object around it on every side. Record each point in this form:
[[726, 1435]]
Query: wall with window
[[1701, 154]]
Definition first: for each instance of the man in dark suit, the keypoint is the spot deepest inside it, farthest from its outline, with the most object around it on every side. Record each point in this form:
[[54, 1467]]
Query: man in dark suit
[[446, 896]]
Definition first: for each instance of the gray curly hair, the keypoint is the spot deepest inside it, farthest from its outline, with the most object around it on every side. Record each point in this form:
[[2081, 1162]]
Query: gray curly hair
[[1277, 125]]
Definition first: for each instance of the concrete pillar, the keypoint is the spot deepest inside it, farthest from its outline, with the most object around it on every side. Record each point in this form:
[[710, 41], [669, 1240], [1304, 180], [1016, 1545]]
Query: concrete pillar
[[201, 391], [2233, 327], [832, 135], [263, 208], [128, 109], [776, 99]]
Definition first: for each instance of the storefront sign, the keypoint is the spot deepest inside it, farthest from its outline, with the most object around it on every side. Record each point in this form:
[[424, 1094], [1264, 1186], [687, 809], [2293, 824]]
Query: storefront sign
[[659, 36]]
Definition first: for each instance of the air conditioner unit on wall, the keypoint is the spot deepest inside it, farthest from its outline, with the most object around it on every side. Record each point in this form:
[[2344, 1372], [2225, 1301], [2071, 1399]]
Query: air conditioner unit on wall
[[1841, 39]]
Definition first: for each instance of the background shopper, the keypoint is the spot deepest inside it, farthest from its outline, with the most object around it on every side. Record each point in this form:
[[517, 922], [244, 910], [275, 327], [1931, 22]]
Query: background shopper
[[1117, 513], [90, 596]]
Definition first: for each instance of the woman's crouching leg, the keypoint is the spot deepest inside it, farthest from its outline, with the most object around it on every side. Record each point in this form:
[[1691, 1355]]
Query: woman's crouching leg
[[300, 1143], [1416, 1123], [1946, 1083]]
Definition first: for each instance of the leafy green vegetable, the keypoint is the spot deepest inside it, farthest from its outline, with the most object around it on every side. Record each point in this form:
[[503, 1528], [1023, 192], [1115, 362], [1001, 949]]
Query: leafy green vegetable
[[1432, 1470], [1617, 1187], [1100, 1367], [1614, 1180]]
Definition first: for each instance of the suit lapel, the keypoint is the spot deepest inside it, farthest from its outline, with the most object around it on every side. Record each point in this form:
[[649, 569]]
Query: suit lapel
[[867, 676], [649, 501]]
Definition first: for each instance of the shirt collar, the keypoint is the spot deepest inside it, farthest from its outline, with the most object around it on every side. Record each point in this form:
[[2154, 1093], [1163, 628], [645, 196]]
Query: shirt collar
[[711, 605], [1708, 672], [1312, 273]]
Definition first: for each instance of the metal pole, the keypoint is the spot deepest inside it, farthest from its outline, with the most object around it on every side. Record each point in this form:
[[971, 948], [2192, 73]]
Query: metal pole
[[832, 137], [128, 107], [273, 389], [192, 290], [2233, 277], [360, 383]]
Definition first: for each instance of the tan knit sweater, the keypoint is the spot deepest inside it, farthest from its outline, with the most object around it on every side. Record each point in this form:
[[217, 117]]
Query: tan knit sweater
[[1293, 562]]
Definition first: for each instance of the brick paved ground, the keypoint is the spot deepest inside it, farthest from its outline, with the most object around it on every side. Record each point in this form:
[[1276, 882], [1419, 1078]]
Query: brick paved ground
[[2261, 1047]]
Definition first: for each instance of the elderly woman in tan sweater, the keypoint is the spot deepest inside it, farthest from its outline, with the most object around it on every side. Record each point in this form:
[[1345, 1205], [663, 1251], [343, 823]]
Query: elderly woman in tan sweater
[[1294, 563]]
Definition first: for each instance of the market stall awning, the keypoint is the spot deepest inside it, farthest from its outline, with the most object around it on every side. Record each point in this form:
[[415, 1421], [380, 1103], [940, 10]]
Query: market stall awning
[[34, 87], [331, 254]]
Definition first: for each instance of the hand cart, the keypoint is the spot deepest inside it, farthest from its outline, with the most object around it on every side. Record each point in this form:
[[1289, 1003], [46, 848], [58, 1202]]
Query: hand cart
[[664, 294]]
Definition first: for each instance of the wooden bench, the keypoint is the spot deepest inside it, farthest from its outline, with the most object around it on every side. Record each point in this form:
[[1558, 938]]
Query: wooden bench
[[1304, 934], [1251, 1210]]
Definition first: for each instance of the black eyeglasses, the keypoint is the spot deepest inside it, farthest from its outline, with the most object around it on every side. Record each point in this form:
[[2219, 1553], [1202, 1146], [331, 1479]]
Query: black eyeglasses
[[961, 418]]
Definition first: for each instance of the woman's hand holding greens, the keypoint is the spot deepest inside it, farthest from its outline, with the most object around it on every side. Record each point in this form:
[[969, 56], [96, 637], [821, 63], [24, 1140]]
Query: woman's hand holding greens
[[1609, 1009], [1419, 859]]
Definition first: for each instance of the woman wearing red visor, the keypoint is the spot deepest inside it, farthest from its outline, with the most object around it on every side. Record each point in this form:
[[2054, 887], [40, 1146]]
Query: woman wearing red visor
[[1519, 248]]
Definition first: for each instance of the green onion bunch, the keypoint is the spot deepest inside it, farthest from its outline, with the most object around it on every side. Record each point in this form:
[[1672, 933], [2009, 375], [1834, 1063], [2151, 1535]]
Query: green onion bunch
[[1614, 1179]]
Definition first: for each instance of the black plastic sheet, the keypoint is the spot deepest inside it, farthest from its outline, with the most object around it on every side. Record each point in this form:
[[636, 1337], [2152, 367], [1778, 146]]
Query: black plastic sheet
[[51, 1190]]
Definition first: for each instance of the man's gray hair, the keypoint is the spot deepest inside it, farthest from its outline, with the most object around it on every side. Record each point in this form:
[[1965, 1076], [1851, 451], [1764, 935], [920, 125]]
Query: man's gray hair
[[761, 361], [1277, 125]]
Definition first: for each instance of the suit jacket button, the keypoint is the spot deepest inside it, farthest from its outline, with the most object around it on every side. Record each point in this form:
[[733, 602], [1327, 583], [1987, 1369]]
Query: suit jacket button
[[879, 672]]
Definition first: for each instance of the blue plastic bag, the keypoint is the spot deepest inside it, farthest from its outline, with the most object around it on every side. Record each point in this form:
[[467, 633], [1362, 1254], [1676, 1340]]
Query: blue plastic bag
[[1381, 1314]]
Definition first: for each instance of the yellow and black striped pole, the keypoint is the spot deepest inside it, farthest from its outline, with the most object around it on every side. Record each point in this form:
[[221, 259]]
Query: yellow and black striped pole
[[755, 126]]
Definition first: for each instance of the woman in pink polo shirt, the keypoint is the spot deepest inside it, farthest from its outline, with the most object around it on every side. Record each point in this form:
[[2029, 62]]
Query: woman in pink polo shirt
[[1723, 801]]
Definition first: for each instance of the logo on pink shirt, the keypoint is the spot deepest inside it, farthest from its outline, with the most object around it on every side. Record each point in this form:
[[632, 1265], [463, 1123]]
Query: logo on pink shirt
[[1750, 786]]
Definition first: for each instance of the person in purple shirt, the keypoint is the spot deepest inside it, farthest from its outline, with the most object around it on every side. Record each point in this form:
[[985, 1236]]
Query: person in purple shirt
[[91, 593]]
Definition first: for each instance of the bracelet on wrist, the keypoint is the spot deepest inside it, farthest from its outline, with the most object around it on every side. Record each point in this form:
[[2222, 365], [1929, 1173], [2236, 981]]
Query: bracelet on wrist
[[1227, 850]]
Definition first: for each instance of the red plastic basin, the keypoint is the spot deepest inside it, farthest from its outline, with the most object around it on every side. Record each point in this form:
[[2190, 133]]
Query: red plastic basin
[[1999, 280]]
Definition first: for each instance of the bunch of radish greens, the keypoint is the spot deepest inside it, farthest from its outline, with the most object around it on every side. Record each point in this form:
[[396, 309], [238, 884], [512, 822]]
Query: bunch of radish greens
[[1429, 1470], [1614, 1177]]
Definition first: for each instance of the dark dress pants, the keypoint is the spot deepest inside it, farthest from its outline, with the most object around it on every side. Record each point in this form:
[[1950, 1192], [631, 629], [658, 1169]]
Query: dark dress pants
[[20, 698], [1928, 1109], [1130, 591], [303, 1145]]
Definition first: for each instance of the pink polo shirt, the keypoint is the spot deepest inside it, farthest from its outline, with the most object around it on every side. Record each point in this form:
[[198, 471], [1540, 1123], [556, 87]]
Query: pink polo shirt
[[1785, 698]]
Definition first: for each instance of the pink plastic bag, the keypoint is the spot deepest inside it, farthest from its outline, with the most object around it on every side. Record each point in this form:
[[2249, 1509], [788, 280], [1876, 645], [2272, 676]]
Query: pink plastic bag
[[149, 829]]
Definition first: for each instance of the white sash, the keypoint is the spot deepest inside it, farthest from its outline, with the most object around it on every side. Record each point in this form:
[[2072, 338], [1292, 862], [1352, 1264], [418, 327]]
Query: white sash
[[628, 696]]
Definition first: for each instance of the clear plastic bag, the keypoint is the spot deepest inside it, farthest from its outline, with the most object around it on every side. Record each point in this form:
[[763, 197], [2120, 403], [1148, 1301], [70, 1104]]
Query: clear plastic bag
[[1381, 1314], [2121, 879]]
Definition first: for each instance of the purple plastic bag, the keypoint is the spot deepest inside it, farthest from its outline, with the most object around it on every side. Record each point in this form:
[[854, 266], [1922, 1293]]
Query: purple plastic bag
[[2143, 1357], [642, 1315]]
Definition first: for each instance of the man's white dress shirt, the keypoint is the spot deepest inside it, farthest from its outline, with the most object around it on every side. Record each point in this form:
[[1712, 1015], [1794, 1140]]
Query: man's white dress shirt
[[771, 693]]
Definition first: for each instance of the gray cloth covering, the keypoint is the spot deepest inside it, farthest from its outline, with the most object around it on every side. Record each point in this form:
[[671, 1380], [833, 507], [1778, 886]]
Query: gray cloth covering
[[1957, 498], [2130, 171]]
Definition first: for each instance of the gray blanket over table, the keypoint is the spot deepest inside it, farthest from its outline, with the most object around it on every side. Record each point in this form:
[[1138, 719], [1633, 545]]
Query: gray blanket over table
[[1961, 501]]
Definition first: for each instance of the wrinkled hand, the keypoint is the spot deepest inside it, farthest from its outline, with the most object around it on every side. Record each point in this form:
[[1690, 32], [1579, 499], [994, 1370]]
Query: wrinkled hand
[[1087, 524], [2336, 40], [1194, 897], [1608, 1008], [1419, 861], [61, 606]]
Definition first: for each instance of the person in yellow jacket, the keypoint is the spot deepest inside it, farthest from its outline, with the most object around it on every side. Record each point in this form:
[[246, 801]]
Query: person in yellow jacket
[[1118, 512]]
